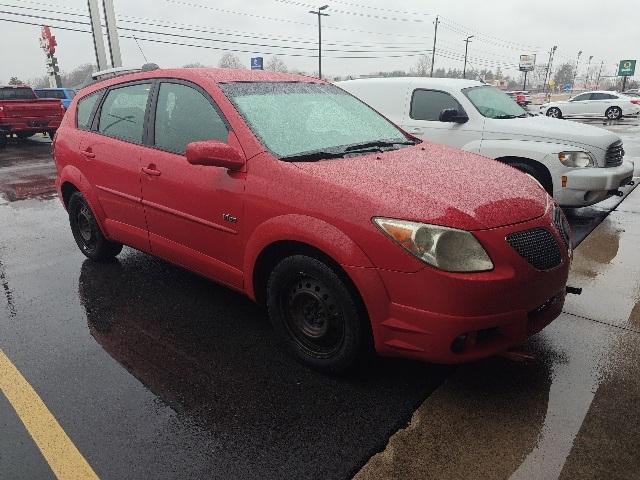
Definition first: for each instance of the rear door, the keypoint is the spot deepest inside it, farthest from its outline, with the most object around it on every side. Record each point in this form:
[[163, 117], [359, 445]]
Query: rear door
[[112, 151], [425, 106], [194, 212]]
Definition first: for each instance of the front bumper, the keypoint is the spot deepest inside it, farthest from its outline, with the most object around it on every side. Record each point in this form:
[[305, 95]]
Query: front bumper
[[423, 315], [586, 186]]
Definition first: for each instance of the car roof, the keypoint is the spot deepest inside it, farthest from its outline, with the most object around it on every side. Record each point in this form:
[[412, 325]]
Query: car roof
[[196, 75], [419, 81]]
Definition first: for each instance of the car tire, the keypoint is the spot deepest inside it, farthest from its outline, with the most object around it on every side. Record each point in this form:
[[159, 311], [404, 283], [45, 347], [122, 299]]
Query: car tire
[[613, 113], [554, 112], [24, 135], [86, 231], [536, 174], [316, 314]]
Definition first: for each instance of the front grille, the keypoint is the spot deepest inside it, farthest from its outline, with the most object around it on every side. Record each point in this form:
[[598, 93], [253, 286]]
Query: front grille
[[538, 247], [615, 154]]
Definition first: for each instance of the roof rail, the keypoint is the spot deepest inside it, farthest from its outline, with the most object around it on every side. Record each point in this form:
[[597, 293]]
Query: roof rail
[[117, 71]]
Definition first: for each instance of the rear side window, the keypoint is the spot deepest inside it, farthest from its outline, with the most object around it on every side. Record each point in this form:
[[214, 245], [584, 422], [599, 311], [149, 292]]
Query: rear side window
[[427, 104], [185, 115], [85, 108], [122, 113]]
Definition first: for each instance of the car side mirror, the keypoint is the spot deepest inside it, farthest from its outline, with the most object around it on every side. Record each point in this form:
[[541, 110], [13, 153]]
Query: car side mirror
[[212, 153], [451, 115]]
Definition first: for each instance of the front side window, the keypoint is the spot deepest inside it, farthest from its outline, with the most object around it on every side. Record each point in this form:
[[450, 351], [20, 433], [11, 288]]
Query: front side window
[[85, 109], [428, 104], [122, 113], [582, 97], [494, 103], [294, 118], [185, 115]]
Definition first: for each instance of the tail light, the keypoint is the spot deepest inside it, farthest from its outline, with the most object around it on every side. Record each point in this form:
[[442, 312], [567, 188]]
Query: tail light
[[636, 102]]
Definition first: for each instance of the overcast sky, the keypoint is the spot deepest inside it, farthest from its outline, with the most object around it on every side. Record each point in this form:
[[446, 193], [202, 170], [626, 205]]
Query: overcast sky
[[394, 32]]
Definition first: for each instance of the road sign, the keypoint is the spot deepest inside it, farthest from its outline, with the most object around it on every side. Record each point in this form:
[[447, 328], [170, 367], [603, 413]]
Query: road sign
[[627, 68], [256, 63], [566, 87], [527, 63]]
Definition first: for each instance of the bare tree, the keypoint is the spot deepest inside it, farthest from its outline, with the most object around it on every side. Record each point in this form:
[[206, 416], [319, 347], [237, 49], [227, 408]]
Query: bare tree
[[275, 64], [422, 66], [564, 75], [230, 60], [15, 81]]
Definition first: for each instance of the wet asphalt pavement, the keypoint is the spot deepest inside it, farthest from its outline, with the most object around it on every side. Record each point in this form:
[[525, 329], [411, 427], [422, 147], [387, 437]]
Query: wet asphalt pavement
[[154, 372]]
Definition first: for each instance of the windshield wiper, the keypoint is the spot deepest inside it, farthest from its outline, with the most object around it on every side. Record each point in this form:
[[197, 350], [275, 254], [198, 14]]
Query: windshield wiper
[[313, 156], [376, 144], [505, 117]]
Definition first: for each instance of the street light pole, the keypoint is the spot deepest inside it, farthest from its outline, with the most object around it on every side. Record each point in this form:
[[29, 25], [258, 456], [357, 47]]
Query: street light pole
[[466, 51], [320, 15], [433, 52], [547, 77], [575, 74]]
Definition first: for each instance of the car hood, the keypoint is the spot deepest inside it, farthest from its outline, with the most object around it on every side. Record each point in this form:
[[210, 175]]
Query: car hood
[[434, 184], [545, 129]]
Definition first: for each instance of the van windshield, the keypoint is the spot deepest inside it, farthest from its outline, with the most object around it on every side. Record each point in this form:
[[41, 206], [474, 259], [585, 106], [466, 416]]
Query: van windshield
[[494, 103], [300, 121]]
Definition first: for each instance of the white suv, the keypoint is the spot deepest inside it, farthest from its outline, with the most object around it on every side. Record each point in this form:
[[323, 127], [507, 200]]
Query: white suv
[[578, 164]]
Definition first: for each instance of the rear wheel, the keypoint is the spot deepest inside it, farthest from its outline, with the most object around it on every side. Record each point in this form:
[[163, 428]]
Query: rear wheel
[[316, 314], [87, 233], [613, 113], [554, 112]]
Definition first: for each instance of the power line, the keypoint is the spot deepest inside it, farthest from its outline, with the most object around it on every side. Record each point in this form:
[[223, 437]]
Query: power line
[[357, 14]]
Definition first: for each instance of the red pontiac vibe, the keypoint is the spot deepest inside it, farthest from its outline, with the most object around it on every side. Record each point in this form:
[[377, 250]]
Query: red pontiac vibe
[[353, 234]]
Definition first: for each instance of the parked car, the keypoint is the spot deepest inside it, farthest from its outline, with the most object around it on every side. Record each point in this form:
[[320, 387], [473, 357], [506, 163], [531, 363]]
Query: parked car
[[611, 105], [65, 95], [24, 114], [579, 164], [286, 188], [632, 93], [521, 97]]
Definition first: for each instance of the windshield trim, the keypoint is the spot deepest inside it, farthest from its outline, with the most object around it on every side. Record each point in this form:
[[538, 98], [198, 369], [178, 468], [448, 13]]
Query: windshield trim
[[402, 134], [467, 89]]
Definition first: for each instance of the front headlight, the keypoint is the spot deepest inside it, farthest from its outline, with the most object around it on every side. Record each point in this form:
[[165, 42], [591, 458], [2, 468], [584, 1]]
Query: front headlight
[[576, 159], [444, 248]]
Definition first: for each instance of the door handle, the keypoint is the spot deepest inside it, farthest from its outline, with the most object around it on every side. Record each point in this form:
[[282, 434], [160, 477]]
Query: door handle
[[151, 171], [88, 153]]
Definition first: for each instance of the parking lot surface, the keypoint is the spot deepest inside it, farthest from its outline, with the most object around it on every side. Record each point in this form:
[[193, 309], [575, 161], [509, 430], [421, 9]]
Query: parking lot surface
[[154, 372]]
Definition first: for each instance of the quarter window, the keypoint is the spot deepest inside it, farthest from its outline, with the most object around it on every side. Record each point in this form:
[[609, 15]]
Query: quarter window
[[427, 104], [122, 113], [185, 115], [85, 108]]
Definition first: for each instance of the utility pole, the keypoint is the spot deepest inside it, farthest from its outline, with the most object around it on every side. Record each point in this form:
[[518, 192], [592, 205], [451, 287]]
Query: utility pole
[[112, 33], [96, 29], [433, 52], [320, 15], [547, 76], [575, 74], [586, 81], [599, 75], [466, 51]]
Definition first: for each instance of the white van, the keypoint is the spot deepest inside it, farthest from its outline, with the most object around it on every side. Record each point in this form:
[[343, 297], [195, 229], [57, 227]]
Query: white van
[[578, 164]]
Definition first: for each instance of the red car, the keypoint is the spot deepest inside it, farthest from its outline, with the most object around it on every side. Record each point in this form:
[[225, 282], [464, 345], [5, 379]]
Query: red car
[[24, 114], [352, 233]]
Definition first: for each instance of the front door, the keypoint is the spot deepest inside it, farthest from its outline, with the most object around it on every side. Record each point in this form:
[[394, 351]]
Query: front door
[[111, 156], [194, 212], [424, 122]]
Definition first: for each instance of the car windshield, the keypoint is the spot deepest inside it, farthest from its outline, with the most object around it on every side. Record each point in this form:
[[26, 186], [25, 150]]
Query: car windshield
[[297, 120], [493, 103], [12, 93]]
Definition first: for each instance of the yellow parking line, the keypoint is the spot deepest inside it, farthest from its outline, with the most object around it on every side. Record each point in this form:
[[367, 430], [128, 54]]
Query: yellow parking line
[[57, 448]]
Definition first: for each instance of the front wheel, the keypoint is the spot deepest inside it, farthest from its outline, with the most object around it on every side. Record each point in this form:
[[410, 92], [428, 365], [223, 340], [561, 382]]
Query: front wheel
[[87, 233], [613, 113], [554, 112], [316, 314]]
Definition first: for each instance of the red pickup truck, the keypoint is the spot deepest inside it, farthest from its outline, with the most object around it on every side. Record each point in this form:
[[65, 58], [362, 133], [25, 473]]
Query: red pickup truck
[[24, 114]]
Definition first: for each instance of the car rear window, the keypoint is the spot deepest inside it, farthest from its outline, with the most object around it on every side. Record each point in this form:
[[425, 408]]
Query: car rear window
[[50, 94], [17, 94]]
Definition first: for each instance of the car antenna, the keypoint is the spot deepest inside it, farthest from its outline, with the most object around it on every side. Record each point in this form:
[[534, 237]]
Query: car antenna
[[140, 48]]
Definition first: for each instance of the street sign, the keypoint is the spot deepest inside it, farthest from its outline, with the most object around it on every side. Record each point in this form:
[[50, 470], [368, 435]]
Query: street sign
[[566, 87], [627, 68], [256, 63], [527, 63]]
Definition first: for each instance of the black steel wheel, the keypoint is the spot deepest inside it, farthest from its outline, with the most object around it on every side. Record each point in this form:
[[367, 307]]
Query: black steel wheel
[[86, 231], [613, 113], [316, 314]]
